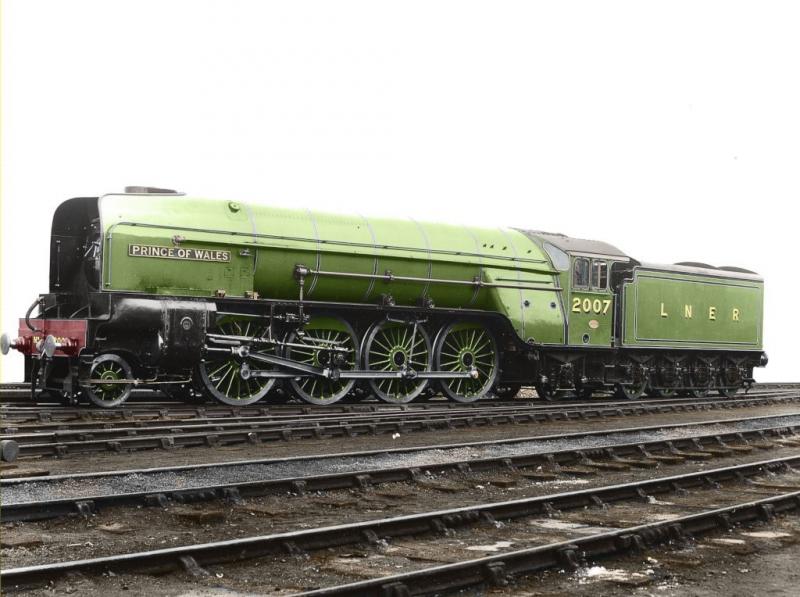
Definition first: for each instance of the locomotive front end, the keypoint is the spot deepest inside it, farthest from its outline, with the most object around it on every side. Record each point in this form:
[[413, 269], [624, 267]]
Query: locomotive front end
[[52, 341]]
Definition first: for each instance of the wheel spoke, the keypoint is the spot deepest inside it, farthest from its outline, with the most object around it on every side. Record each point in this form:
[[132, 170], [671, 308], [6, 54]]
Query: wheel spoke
[[222, 377], [324, 339], [394, 346], [111, 388], [463, 347]]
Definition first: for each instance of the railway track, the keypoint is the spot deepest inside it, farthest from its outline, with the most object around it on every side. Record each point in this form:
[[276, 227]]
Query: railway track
[[224, 432], [401, 521], [616, 449], [163, 410], [69, 417], [438, 523], [18, 394], [568, 554]]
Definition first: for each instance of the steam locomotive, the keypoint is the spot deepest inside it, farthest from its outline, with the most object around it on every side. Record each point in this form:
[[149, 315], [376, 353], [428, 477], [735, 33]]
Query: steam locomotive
[[243, 302]]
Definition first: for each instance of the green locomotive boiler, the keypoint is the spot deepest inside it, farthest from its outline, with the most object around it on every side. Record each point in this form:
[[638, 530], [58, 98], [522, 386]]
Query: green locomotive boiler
[[241, 301]]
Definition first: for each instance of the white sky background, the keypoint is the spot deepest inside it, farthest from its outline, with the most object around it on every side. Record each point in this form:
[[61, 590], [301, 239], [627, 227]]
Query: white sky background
[[671, 130]]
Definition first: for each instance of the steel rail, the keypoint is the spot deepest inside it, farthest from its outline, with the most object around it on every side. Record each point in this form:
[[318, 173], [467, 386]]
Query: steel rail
[[10, 386], [108, 428], [645, 454], [415, 449], [61, 429], [294, 542], [25, 414], [33, 418], [95, 431], [25, 386], [224, 434], [498, 570], [20, 393], [162, 408]]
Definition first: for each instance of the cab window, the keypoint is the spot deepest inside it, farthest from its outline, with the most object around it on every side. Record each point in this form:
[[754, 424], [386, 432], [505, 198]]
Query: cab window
[[580, 276], [599, 274]]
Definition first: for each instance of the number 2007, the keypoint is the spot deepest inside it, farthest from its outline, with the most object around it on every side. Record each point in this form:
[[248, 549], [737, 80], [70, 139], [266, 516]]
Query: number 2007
[[590, 306]]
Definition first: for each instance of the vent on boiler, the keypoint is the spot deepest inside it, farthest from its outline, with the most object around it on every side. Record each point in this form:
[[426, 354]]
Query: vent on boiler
[[150, 191]]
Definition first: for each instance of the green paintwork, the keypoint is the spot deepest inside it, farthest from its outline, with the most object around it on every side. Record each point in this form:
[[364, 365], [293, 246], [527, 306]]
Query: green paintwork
[[267, 243], [642, 324], [600, 311], [646, 326]]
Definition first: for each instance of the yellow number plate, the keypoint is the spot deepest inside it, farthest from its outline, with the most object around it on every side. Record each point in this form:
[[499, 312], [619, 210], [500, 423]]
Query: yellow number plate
[[587, 305]]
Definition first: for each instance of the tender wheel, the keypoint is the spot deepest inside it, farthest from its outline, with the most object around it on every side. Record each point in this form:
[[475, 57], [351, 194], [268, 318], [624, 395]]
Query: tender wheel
[[393, 346], [628, 391], [220, 374], [462, 347], [546, 391], [664, 392], [507, 391], [700, 381], [730, 380], [667, 379], [107, 387], [635, 388], [327, 342]]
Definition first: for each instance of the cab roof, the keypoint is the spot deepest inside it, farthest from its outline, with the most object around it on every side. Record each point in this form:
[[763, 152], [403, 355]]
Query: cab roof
[[577, 246]]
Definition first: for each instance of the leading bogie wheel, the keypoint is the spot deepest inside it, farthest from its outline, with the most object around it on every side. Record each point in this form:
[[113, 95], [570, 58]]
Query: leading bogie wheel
[[392, 346], [107, 386], [466, 347], [628, 391], [220, 374], [327, 342], [546, 391]]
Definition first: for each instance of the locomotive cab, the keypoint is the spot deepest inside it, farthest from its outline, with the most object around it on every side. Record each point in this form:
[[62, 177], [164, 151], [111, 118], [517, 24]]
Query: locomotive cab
[[588, 273]]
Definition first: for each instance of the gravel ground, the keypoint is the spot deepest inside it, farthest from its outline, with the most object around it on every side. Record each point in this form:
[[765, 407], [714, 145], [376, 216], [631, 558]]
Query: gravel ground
[[284, 574], [154, 482], [736, 564], [121, 530], [118, 530]]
